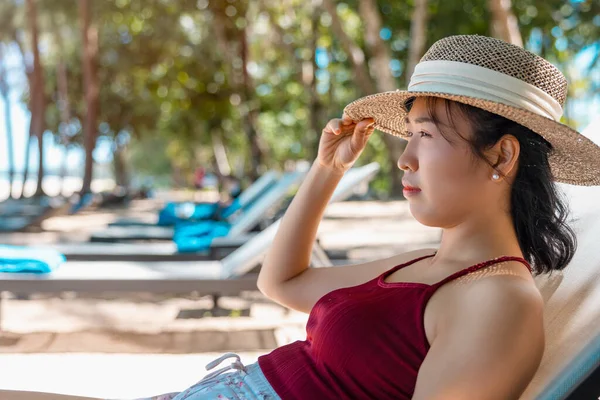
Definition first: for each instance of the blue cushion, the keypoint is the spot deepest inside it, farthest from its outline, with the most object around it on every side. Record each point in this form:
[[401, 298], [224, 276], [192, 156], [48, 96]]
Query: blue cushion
[[198, 240], [29, 259], [174, 213], [201, 228]]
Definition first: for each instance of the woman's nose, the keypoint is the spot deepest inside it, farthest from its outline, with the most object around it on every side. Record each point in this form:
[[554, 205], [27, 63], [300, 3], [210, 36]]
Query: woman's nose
[[407, 161]]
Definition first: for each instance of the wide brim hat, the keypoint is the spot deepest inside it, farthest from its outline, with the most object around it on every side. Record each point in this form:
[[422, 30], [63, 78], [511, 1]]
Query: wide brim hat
[[498, 77]]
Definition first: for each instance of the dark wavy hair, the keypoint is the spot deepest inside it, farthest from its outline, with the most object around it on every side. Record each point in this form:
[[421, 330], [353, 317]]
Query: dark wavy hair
[[538, 212]]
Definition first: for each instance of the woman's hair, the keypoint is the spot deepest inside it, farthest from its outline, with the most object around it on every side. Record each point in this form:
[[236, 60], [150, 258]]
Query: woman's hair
[[539, 214]]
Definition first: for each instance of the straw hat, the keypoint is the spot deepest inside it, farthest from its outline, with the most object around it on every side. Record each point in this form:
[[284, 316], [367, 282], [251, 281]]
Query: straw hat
[[498, 77]]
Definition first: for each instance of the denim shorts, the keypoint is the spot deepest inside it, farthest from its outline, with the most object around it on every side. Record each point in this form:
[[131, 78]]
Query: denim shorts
[[243, 383]]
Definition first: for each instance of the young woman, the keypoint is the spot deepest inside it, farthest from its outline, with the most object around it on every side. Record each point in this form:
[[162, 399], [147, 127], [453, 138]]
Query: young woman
[[463, 321]]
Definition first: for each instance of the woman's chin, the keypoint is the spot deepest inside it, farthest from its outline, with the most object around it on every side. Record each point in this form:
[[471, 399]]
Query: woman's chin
[[421, 216]]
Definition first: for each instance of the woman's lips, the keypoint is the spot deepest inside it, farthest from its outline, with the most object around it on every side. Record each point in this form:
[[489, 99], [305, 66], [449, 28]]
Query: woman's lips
[[408, 191]]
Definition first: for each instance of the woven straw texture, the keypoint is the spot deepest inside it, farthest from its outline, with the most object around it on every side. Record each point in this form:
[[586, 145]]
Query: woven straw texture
[[574, 159]]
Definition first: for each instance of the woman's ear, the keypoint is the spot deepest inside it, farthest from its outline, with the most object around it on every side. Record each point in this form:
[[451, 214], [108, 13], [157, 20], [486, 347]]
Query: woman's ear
[[504, 155]]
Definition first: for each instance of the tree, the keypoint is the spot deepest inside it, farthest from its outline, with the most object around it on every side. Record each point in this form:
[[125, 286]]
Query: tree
[[233, 45], [504, 24], [64, 105], [89, 48], [418, 37], [38, 99], [4, 92], [379, 80]]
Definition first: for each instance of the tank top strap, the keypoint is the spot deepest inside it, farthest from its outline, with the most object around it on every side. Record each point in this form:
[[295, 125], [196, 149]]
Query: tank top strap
[[406, 264], [479, 266]]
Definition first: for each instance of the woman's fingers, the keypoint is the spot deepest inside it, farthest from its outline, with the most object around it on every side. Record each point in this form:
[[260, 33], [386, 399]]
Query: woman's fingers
[[362, 132], [336, 125], [365, 126], [346, 120]]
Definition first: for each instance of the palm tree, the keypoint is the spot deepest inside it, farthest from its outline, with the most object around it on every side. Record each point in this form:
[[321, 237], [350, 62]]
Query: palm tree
[[89, 36], [4, 92], [38, 98]]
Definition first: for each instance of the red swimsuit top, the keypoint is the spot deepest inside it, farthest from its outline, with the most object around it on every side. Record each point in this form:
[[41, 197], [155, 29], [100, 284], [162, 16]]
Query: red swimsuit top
[[363, 342]]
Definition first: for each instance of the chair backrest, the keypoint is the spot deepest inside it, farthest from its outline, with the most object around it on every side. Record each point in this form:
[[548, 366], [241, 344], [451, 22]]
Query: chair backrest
[[572, 304], [246, 257], [352, 179], [257, 188], [271, 198]]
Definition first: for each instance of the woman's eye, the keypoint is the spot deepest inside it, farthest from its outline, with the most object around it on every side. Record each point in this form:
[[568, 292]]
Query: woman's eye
[[409, 134]]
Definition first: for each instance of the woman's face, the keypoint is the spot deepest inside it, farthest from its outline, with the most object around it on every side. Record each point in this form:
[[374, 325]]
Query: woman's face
[[451, 180]]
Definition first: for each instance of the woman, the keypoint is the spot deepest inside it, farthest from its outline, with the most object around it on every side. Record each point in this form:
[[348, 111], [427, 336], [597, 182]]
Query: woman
[[463, 321]]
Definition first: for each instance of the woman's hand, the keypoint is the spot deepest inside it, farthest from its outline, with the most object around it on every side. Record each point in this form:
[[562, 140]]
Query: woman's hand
[[342, 142]]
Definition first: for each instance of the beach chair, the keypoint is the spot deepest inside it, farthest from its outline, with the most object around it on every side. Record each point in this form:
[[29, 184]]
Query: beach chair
[[16, 216], [242, 224], [220, 246], [229, 276], [242, 202], [570, 368]]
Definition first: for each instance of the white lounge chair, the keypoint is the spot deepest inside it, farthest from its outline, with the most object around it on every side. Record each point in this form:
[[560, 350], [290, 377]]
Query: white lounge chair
[[572, 309], [256, 212], [220, 247], [230, 275], [245, 199]]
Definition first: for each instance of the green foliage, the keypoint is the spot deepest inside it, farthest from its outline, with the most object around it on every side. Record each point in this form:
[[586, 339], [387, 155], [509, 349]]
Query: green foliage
[[172, 76]]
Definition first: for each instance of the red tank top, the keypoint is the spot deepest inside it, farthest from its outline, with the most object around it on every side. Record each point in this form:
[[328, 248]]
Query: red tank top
[[363, 342]]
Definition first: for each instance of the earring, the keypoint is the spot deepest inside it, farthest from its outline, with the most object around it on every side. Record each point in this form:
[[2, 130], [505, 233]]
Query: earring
[[495, 176]]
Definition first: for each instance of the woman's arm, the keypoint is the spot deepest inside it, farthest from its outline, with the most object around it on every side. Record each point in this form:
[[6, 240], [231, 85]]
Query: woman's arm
[[341, 143], [290, 252], [491, 346]]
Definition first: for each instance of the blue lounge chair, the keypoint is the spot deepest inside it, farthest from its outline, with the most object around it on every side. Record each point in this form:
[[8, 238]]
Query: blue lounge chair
[[219, 246], [198, 235], [174, 213]]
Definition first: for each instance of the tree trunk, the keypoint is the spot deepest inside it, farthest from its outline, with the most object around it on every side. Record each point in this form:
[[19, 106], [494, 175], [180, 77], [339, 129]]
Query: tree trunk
[[222, 165], [314, 105], [250, 119], [363, 79], [504, 22], [4, 91], [37, 98], [120, 165], [355, 53], [385, 82], [38, 112], [64, 170], [63, 102], [418, 37], [305, 72], [89, 35], [246, 89]]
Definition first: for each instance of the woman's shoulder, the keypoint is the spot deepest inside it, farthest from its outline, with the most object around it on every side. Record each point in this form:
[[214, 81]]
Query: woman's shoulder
[[503, 287], [497, 291]]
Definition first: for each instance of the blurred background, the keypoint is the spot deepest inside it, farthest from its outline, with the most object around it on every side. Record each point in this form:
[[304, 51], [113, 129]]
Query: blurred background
[[112, 111], [133, 93]]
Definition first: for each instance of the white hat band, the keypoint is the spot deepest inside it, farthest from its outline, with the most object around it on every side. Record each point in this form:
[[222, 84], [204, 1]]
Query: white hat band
[[470, 80]]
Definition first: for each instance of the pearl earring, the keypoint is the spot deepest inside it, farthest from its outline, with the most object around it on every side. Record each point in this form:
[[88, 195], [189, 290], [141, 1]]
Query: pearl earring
[[495, 176]]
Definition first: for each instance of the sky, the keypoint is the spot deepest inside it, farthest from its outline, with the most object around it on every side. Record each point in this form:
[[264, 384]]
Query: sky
[[585, 112]]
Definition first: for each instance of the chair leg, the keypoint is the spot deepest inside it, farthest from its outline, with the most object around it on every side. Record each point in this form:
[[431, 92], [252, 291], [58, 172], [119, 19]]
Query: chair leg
[[215, 311]]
